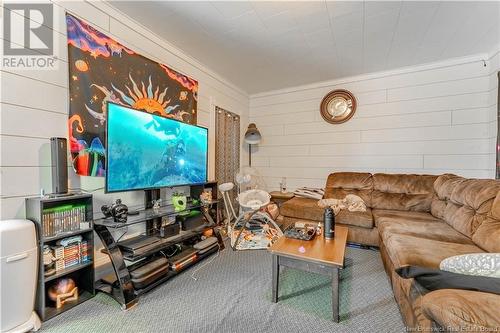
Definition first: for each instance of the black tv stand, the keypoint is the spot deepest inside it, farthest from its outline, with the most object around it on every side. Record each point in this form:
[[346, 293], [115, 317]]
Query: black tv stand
[[120, 286]]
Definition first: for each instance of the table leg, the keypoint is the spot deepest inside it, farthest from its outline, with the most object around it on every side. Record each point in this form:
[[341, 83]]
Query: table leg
[[276, 277], [335, 295]]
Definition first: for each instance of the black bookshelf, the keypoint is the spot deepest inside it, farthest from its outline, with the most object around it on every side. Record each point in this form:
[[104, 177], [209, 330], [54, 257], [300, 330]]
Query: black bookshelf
[[82, 273]]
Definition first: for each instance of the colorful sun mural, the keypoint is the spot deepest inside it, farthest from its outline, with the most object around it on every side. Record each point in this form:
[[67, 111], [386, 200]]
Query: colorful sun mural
[[101, 70]]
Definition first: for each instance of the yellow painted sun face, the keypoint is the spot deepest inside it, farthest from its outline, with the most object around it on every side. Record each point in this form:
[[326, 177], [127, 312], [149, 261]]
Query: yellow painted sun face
[[140, 97], [143, 98], [149, 105]]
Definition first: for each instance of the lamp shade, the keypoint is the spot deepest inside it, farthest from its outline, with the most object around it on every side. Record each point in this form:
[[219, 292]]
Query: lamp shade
[[252, 135]]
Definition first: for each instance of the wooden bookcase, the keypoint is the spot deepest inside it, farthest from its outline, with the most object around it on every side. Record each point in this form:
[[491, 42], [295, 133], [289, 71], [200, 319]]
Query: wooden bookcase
[[83, 273]]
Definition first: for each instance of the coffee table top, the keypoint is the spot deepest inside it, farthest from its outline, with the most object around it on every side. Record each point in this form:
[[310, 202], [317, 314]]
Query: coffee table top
[[321, 250]]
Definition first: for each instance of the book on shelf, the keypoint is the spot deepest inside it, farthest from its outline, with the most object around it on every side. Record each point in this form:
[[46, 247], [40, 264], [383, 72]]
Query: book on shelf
[[74, 253]]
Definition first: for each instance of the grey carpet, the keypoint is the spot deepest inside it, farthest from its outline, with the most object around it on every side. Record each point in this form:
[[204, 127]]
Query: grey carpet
[[232, 294]]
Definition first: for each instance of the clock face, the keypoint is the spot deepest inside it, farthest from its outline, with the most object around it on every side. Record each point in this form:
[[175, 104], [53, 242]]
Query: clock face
[[338, 106]]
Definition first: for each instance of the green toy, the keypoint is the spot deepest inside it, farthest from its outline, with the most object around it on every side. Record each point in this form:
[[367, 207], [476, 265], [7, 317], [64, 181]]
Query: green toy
[[179, 201]]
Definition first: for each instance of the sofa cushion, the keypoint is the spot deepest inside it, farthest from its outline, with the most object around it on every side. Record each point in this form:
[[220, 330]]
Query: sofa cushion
[[390, 215], [340, 184], [424, 228], [487, 235], [302, 208], [495, 208], [402, 192], [359, 219], [443, 186], [435, 279], [462, 310], [410, 250], [470, 203], [308, 209]]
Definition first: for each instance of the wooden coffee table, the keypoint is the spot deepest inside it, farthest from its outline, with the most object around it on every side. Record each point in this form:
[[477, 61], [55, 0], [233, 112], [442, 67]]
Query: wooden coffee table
[[320, 255]]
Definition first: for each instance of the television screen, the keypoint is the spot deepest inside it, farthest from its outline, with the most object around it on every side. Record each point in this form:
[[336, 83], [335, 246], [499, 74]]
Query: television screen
[[147, 151]]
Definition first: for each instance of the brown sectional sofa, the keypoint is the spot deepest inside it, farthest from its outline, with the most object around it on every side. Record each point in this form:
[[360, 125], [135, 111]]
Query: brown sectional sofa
[[420, 220]]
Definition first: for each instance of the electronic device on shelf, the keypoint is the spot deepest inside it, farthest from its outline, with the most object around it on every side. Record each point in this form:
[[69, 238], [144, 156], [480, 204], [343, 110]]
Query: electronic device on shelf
[[190, 220], [170, 230], [172, 250], [206, 245], [59, 159], [118, 211], [145, 275], [181, 260], [139, 244], [176, 152]]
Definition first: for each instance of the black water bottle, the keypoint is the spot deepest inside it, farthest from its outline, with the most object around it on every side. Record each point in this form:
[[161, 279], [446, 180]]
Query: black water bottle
[[329, 223]]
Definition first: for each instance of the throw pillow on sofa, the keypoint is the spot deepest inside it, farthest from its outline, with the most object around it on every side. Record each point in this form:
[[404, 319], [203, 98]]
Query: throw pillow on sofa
[[483, 264], [434, 279]]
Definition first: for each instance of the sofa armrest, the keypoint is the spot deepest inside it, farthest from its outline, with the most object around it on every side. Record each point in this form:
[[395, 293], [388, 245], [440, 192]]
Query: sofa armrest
[[302, 208], [458, 310]]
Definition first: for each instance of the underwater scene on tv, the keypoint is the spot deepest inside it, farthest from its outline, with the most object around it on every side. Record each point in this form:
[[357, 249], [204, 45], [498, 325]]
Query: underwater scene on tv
[[149, 151]]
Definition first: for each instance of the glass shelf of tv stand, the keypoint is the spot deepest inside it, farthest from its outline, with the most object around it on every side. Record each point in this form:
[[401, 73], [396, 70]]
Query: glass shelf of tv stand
[[166, 242], [145, 215]]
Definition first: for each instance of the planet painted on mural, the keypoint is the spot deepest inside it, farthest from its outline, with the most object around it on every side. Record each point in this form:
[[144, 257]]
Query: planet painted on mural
[[81, 65]]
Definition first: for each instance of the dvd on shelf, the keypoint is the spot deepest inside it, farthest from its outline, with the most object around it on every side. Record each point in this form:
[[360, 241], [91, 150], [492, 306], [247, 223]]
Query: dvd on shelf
[[63, 219]]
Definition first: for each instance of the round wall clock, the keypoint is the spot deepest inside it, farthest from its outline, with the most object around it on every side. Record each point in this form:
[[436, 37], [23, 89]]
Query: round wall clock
[[338, 106]]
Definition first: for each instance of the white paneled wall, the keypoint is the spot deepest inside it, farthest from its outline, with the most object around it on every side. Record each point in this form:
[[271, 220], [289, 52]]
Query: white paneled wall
[[428, 119], [34, 107], [494, 95]]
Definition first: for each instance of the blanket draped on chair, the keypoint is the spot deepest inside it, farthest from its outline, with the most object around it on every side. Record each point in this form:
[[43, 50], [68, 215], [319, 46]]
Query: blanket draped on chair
[[351, 202], [309, 192]]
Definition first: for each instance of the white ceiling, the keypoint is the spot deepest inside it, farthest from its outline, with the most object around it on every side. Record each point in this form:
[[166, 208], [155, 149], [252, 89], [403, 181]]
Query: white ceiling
[[262, 46]]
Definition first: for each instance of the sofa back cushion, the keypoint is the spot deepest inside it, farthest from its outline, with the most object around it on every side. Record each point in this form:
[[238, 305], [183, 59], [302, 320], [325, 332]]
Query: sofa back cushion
[[470, 203], [402, 192], [340, 184], [487, 235], [443, 186]]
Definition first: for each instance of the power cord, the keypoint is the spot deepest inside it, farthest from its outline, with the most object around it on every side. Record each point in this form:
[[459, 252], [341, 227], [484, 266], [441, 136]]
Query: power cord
[[205, 264], [176, 249], [124, 233]]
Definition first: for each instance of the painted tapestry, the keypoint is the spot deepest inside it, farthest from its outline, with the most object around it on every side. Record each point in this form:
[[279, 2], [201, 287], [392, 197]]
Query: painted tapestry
[[102, 70]]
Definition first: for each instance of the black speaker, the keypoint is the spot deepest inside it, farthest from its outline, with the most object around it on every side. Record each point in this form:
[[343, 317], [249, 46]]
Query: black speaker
[[59, 157]]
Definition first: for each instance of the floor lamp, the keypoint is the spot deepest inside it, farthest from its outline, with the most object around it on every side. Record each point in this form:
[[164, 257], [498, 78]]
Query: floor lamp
[[252, 137]]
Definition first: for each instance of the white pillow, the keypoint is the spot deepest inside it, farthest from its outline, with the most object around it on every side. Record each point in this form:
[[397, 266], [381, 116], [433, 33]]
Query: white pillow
[[484, 264]]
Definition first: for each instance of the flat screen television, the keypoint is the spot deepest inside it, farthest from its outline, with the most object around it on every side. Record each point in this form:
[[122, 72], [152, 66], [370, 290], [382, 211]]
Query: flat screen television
[[148, 151]]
